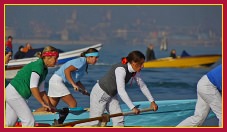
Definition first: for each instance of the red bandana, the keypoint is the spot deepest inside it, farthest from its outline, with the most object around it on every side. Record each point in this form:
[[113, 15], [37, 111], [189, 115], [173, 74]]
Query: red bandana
[[50, 53]]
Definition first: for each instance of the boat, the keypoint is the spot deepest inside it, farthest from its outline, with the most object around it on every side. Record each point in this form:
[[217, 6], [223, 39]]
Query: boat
[[14, 65], [195, 61], [169, 114]]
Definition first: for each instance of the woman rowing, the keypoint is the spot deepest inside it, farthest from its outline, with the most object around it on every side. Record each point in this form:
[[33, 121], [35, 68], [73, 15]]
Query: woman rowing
[[104, 93], [29, 81], [71, 72]]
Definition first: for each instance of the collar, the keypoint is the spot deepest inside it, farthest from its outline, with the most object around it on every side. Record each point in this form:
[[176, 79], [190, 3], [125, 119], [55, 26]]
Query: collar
[[130, 69]]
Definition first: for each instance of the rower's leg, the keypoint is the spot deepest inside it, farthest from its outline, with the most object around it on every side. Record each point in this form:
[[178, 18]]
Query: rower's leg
[[113, 108]]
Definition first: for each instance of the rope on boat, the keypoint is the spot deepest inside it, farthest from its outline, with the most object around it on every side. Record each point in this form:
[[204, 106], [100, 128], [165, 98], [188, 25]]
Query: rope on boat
[[104, 118]]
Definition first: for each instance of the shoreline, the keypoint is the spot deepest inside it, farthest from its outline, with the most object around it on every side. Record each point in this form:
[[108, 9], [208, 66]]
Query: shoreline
[[44, 41], [91, 42]]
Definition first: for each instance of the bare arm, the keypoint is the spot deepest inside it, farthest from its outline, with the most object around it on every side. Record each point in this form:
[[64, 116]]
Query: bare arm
[[36, 94], [69, 77], [34, 80], [82, 88], [45, 98]]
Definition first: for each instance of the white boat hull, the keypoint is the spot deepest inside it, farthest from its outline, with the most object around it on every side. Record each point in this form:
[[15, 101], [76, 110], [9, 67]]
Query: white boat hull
[[15, 65]]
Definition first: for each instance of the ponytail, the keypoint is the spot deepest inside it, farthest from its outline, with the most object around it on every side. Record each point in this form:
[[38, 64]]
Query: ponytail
[[124, 60]]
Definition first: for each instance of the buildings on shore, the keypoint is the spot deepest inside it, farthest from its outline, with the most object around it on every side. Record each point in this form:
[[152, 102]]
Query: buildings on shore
[[137, 32]]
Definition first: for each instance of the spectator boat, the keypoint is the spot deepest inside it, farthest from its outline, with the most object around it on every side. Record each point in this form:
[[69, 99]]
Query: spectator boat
[[184, 61], [14, 65]]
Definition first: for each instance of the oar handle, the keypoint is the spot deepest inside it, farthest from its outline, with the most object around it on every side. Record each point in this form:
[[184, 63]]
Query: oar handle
[[142, 110], [100, 118], [84, 92]]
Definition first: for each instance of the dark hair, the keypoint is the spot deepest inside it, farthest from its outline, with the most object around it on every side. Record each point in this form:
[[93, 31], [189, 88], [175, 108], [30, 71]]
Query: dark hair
[[10, 37], [134, 56], [20, 47], [90, 50]]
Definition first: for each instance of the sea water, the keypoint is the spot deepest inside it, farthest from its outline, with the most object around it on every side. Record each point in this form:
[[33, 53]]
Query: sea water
[[164, 84]]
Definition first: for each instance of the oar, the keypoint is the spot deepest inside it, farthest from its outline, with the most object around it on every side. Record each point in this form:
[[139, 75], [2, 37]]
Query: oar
[[75, 111], [62, 113], [100, 118], [84, 92]]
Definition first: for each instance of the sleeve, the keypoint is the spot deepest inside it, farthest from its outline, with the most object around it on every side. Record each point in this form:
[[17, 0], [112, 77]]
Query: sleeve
[[120, 80], [78, 63], [34, 80], [143, 88]]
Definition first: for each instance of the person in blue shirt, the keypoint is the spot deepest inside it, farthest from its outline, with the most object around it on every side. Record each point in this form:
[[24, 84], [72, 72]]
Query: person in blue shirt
[[71, 72], [209, 89]]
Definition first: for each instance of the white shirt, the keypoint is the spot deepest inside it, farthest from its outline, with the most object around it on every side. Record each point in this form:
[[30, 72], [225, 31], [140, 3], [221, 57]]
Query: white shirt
[[34, 81], [120, 74]]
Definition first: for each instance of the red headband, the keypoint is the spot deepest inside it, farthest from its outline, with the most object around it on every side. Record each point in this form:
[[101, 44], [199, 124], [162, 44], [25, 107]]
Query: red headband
[[50, 53]]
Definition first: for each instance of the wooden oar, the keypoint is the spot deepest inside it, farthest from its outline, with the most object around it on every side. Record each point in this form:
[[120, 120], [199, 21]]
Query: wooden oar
[[62, 113], [100, 118]]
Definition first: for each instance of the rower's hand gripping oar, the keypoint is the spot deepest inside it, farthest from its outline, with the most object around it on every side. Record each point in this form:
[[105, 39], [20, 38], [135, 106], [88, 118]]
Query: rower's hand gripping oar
[[100, 118], [84, 92]]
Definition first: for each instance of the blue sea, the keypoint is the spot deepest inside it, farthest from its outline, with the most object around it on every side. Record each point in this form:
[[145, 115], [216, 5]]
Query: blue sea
[[164, 84]]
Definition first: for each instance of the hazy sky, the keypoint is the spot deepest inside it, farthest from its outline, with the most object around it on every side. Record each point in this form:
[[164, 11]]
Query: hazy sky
[[55, 16]]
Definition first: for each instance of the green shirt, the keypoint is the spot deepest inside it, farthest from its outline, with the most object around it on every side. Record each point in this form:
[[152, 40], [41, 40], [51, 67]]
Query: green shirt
[[21, 82]]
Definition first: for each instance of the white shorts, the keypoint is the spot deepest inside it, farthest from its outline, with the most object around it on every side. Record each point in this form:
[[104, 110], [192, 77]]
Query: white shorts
[[57, 87]]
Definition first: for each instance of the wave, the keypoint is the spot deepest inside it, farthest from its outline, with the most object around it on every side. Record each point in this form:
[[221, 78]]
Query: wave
[[170, 84], [103, 64]]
